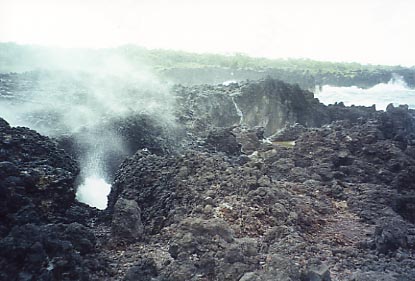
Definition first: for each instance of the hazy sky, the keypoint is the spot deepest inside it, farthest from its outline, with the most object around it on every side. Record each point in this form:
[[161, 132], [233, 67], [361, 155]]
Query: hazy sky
[[367, 31]]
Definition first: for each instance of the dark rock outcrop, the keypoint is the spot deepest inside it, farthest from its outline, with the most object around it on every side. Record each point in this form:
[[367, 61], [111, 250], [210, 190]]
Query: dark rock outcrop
[[41, 238], [126, 220], [144, 270], [223, 139], [250, 139], [289, 133], [271, 104], [332, 201], [36, 178], [47, 252], [390, 235]]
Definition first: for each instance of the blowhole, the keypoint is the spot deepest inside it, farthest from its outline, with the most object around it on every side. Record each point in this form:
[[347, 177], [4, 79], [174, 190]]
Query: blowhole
[[93, 191]]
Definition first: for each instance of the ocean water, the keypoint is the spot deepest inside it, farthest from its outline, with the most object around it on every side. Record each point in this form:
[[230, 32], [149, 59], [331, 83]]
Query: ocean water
[[396, 91]]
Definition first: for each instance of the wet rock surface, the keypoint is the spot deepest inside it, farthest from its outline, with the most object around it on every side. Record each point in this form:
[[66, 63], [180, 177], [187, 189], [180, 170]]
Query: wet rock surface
[[328, 197], [42, 231]]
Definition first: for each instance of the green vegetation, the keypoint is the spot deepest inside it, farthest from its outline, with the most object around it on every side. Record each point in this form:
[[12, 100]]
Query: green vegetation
[[193, 68], [165, 59], [13, 56]]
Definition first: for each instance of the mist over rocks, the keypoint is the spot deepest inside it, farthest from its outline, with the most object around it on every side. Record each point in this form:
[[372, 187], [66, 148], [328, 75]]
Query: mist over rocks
[[126, 136], [99, 116], [255, 181]]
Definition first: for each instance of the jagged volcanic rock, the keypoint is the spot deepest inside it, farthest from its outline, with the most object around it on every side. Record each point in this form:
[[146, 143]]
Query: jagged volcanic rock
[[36, 178], [126, 220], [333, 206], [41, 238], [269, 103], [126, 136], [228, 205]]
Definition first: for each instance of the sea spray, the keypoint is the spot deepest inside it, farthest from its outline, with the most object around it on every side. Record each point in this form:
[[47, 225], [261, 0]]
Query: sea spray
[[82, 104], [395, 91], [93, 191], [98, 145]]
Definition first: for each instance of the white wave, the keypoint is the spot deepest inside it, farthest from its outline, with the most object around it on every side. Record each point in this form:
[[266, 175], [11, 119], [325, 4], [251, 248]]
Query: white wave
[[396, 91], [229, 82]]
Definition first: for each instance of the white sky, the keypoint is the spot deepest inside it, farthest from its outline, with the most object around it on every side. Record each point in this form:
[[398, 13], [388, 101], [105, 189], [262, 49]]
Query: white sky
[[366, 31]]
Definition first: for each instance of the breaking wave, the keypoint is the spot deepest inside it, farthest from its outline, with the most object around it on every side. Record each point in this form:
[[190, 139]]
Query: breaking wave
[[396, 91]]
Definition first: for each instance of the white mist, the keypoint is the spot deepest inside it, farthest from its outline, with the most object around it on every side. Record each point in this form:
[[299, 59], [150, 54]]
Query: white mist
[[94, 191], [80, 101]]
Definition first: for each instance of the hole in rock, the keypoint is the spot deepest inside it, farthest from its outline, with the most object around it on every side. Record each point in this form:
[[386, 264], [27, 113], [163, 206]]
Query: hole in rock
[[99, 158], [101, 149], [93, 190]]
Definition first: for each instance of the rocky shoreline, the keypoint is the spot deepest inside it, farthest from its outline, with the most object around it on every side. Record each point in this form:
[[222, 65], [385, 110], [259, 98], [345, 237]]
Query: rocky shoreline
[[261, 182]]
